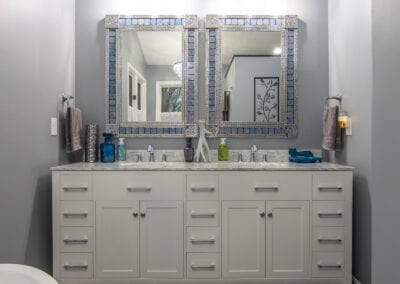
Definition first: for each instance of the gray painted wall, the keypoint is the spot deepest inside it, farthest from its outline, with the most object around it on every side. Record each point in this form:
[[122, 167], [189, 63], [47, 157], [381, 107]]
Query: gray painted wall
[[350, 60], [385, 152], [364, 60], [37, 65], [313, 59]]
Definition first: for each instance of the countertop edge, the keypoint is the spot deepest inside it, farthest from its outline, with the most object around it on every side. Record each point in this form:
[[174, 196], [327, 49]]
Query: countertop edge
[[279, 166]]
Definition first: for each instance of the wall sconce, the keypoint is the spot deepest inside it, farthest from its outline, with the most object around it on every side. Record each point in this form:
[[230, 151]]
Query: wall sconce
[[343, 119]]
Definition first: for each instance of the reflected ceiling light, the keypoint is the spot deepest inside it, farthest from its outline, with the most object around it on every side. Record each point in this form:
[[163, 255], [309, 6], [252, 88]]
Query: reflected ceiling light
[[277, 51], [178, 69]]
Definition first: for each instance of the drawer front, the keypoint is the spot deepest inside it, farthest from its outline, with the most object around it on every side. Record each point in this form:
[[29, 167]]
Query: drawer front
[[202, 187], [76, 187], [203, 265], [139, 186], [202, 213], [328, 239], [76, 239], [330, 186], [328, 264], [76, 213], [76, 265], [265, 186], [202, 239], [328, 213]]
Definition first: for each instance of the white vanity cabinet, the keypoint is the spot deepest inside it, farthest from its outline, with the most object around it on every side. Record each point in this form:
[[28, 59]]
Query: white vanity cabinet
[[213, 225]]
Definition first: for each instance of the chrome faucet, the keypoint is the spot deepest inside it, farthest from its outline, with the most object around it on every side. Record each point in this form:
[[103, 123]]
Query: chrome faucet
[[253, 153], [150, 149]]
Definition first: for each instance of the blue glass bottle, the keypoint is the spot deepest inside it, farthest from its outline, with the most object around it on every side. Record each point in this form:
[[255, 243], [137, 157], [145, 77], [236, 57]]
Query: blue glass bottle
[[107, 149]]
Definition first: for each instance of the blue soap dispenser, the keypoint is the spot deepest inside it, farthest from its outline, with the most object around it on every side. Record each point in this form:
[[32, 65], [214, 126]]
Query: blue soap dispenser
[[121, 152], [107, 149]]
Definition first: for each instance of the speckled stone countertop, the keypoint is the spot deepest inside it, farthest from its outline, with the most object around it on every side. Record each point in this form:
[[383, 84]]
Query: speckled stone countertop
[[213, 166]]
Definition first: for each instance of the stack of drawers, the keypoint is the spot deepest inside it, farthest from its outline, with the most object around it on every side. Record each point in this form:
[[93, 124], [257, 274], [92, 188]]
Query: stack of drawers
[[76, 226], [202, 226], [328, 231]]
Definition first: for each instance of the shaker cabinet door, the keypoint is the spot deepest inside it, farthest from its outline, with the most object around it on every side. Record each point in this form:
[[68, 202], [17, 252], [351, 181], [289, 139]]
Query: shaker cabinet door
[[161, 239], [243, 239], [117, 239], [287, 239]]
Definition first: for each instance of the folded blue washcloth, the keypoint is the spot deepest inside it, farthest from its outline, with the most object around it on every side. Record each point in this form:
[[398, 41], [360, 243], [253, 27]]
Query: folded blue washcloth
[[302, 156]]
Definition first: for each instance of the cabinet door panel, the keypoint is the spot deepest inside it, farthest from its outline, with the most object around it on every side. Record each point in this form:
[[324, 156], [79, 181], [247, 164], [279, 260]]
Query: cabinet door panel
[[243, 239], [288, 239], [117, 239], [161, 236]]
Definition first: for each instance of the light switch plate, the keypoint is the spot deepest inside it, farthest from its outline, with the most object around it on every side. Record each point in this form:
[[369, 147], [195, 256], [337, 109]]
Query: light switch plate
[[53, 126]]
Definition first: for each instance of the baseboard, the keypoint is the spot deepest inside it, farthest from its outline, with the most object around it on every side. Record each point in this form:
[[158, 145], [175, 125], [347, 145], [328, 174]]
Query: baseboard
[[356, 281]]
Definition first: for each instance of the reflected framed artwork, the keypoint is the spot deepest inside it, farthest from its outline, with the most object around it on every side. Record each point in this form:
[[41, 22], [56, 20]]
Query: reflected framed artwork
[[266, 99]]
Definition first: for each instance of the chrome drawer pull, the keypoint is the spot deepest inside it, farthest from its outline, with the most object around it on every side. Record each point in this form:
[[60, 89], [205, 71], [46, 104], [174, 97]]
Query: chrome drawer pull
[[326, 240], [329, 266], [75, 241], [266, 188], [203, 241], [139, 189], [75, 215], [210, 188], [199, 267], [330, 188], [330, 215], [76, 267], [75, 188], [202, 215]]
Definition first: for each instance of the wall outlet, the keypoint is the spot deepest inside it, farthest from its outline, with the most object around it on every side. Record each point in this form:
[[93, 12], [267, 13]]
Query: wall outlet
[[53, 126]]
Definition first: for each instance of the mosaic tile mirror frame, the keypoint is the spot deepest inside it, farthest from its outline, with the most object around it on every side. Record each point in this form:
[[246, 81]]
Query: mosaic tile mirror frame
[[115, 25], [216, 94]]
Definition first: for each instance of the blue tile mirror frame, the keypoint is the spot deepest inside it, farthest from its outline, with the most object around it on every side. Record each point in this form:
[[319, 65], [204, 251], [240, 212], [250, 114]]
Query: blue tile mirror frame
[[181, 122], [260, 101], [268, 106]]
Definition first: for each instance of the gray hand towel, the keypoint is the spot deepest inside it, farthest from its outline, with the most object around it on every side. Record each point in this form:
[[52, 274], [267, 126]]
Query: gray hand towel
[[331, 131], [73, 129]]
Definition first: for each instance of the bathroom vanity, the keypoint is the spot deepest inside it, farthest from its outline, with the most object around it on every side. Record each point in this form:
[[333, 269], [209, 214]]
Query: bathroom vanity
[[202, 223]]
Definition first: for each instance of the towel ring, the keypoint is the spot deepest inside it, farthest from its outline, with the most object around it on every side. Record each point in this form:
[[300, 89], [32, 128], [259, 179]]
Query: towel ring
[[338, 98], [67, 99]]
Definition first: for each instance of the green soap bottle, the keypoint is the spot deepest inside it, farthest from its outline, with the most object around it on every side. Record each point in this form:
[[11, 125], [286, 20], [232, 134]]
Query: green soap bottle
[[223, 151]]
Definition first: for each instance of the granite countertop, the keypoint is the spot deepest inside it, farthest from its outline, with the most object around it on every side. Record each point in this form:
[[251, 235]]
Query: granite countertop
[[213, 166]]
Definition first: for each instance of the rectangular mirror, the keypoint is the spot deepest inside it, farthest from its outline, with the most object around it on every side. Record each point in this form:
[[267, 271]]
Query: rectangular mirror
[[151, 75], [251, 64]]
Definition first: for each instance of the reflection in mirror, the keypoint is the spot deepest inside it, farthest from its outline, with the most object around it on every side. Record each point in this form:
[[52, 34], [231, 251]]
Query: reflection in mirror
[[151, 66], [251, 71]]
